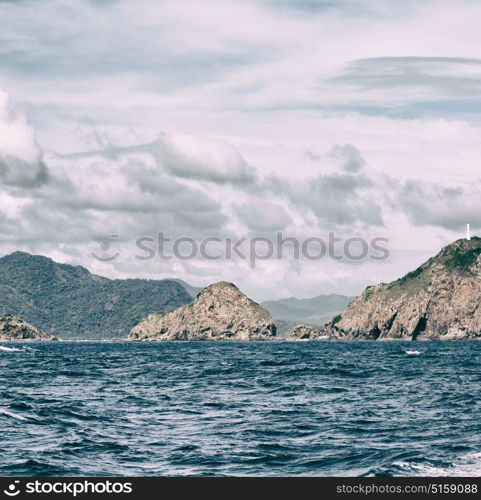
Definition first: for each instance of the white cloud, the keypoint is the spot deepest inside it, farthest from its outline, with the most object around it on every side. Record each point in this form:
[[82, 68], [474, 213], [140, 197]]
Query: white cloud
[[20, 156], [263, 216], [349, 156], [195, 156], [447, 206]]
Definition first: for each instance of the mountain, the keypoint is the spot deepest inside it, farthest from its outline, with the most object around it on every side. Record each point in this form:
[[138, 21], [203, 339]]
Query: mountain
[[315, 311], [70, 302], [15, 329], [439, 300], [193, 291], [220, 312]]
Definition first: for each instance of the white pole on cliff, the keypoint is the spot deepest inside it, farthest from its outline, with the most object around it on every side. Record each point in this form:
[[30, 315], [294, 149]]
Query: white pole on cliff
[[468, 232]]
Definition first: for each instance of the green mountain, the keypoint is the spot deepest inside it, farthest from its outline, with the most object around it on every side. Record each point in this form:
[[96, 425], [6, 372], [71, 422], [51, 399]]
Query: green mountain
[[70, 302]]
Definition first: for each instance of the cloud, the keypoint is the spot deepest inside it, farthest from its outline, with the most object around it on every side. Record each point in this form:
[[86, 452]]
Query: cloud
[[21, 162], [136, 190], [183, 155], [195, 156], [407, 86], [263, 215], [334, 199], [444, 206], [349, 156], [438, 76]]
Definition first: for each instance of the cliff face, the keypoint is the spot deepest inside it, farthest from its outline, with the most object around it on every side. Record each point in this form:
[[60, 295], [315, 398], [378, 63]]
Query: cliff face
[[15, 329], [220, 312], [439, 300]]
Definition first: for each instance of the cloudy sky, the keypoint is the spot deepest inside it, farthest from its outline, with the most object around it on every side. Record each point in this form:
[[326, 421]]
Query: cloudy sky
[[234, 119]]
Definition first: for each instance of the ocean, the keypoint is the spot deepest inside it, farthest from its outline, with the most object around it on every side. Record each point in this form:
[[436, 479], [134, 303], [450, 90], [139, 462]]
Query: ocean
[[242, 409]]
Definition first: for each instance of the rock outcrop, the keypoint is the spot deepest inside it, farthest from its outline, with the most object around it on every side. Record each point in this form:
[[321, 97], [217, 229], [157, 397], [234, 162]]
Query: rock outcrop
[[15, 329], [306, 332], [438, 301], [220, 312]]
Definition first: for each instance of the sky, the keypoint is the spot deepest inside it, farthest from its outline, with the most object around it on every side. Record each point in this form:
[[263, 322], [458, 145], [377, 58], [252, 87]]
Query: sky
[[225, 119]]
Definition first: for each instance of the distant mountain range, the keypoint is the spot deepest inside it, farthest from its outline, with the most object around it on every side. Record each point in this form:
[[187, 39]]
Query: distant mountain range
[[315, 311], [193, 291], [70, 302]]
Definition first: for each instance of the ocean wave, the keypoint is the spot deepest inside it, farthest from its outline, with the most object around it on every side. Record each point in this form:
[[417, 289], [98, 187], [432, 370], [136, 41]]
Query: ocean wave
[[32, 467], [333, 409], [465, 466], [9, 413], [9, 349]]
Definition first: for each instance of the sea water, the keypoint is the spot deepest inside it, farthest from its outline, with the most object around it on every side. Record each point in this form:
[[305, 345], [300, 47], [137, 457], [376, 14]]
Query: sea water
[[208, 408]]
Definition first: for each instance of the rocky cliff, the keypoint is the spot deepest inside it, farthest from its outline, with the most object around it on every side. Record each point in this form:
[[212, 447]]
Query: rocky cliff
[[439, 300], [15, 329], [220, 312]]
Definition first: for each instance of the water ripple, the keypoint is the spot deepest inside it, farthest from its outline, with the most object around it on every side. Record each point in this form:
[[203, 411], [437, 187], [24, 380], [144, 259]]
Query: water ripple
[[333, 408]]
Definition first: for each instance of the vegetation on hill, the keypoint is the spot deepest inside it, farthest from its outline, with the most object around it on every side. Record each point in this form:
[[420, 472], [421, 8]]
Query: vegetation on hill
[[70, 302], [463, 259]]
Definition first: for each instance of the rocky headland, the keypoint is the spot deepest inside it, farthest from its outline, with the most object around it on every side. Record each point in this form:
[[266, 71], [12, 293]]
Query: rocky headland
[[440, 300], [13, 328], [220, 312]]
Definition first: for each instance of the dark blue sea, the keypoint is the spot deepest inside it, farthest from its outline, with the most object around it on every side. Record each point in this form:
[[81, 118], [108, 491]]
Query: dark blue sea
[[213, 409]]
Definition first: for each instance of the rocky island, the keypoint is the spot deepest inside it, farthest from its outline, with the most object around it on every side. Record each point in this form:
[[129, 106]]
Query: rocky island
[[13, 328], [220, 312], [440, 300]]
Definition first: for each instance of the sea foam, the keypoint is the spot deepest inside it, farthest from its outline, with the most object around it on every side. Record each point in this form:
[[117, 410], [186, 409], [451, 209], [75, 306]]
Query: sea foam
[[9, 349], [465, 466], [11, 414]]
